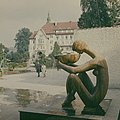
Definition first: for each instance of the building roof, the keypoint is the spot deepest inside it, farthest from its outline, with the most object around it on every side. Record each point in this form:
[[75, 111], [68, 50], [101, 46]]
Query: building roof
[[51, 28], [33, 35]]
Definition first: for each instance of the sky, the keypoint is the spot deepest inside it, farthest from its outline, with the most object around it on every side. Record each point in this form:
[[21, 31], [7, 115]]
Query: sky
[[32, 14]]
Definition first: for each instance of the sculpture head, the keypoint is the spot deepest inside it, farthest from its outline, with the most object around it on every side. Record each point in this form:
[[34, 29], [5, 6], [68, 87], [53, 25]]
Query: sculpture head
[[79, 46]]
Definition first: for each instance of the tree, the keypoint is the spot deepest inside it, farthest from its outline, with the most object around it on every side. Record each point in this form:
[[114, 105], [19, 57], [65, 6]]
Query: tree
[[3, 52], [13, 57], [41, 57], [114, 9], [84, 5], [22, 43], [55, 52], [94, 14]]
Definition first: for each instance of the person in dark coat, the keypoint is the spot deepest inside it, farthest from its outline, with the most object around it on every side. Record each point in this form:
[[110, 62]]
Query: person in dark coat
[[38, 68]]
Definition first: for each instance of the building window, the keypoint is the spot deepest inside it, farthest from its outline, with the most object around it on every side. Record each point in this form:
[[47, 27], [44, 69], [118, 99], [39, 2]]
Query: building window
[[62, 36], [51, 48], [40, 35], [41, 47], [51, 36], [71, 37], [33, 56], [67, 48], [51, 41], [66, 37], [40, 40], [67, 31], [57, 37]]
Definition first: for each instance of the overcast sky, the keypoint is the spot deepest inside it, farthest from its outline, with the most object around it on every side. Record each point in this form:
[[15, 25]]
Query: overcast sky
[[16, 14]]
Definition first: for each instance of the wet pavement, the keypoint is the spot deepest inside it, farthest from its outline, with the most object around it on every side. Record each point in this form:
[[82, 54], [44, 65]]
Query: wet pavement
[[13, 100], [20, 91], [53, 83]]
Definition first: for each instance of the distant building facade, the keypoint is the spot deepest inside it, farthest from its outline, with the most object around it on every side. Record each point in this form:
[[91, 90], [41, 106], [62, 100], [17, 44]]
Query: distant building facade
[[43, 40]]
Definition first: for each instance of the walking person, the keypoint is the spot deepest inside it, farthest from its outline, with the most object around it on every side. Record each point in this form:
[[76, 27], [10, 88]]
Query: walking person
[[44, 70], [38, 68]]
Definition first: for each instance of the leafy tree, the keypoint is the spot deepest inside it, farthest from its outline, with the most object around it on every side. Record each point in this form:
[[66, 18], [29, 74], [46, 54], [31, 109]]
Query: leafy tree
[[94, 14], [84, 5], [114, 9], [55, 52], [22, 43], [13, 57], [3, 52], [41, 57], [14, 60], [46, 60]]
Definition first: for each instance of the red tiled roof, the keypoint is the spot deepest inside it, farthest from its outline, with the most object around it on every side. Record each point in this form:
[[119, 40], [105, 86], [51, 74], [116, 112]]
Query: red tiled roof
[[50, 28], [64, 33], [33, 35]]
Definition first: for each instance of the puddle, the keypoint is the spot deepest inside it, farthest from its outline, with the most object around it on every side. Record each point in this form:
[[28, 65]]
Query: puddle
[[21, 97], [12, 100]]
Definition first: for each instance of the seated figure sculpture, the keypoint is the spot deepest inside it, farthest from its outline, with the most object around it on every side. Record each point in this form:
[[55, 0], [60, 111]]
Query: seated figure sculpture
[[79, 81]]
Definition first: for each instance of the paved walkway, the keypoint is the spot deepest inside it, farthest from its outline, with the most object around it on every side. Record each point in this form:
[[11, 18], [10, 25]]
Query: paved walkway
[[54, 83]]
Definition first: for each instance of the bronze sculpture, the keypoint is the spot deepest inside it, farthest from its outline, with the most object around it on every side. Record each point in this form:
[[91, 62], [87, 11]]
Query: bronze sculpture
[[79, 81]]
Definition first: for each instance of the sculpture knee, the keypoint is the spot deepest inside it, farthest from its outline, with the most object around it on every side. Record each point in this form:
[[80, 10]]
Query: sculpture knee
[[72, 77]]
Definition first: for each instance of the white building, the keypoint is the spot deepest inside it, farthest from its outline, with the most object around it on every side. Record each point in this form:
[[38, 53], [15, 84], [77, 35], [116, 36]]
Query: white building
[[43, 40]]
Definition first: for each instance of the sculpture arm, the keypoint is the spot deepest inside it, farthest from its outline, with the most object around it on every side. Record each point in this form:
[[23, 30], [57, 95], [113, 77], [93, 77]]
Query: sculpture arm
[[81, 68]]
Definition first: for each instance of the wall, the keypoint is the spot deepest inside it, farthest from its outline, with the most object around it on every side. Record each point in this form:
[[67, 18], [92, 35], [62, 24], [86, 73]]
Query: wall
[[107, 42]]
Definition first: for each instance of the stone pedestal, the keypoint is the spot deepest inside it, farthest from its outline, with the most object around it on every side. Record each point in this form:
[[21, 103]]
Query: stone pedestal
[[52, 110]]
